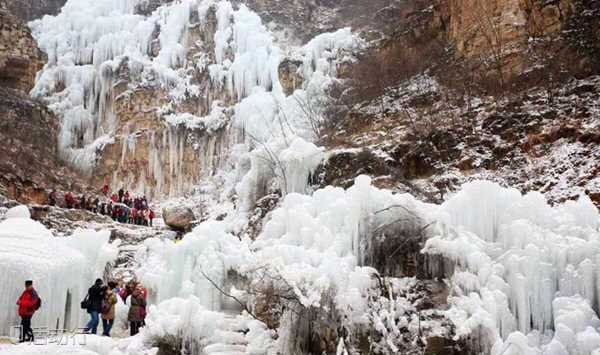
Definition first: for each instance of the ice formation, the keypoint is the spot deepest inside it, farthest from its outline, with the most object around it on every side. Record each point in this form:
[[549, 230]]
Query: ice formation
[[94, 45], [256, 58], [523, 271], [202, 331], [524, 275], [61, 268], [86, 45], [177, 269], [318, 244], [79, 42]]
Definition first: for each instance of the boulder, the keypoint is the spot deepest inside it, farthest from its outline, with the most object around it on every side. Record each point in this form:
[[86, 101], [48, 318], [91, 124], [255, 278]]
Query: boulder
[[178, 217]]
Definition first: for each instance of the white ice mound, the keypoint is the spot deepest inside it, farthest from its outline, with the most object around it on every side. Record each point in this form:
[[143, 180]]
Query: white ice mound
[[203, 331], [20, 211], [61, 268], [323, 243]]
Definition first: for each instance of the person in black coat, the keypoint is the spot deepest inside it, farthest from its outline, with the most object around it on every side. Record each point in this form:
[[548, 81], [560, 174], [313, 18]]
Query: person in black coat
[[95, 296]]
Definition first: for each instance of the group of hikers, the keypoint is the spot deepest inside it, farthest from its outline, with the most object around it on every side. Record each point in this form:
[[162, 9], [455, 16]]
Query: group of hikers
[[100, 303], [120, 206]]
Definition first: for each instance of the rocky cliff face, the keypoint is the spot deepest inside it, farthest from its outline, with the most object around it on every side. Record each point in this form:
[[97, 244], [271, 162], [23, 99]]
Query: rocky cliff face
[[518, 42], [474, 25], [304, 19], [30, 166], [20, 58], [148, 155], [32, 9], [533, 126], [496, 34]]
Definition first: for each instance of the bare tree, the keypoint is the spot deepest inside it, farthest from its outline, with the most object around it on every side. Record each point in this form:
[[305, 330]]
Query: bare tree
[[544, 51], [489, 26]]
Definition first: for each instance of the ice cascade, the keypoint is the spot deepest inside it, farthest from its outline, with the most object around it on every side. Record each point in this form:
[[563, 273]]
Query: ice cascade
[[521, 267]]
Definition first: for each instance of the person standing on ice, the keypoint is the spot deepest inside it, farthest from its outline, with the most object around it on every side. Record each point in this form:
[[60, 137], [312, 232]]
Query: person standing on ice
[[29, 302], [94, 306], [105, 190], [136, 311], [108, 308]]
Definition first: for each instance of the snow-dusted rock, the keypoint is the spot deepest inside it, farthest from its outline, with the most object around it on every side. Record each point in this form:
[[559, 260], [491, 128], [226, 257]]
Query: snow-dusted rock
[[178, 217]]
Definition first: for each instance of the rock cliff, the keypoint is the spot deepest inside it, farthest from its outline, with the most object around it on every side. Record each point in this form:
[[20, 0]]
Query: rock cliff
[[20, 58], [30, 166], [32, 9]]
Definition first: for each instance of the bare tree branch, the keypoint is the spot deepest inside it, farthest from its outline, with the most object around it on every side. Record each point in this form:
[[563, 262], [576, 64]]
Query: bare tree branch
[[226, 294]]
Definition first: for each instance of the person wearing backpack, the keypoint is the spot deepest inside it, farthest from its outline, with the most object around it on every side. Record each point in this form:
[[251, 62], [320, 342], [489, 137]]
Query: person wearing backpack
[[93, 305], [108, 308], [29, 302]]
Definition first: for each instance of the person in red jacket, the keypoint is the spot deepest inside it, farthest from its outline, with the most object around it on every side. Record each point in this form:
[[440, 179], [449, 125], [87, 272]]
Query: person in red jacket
[[69, 200], [28, 303], [105, 190]]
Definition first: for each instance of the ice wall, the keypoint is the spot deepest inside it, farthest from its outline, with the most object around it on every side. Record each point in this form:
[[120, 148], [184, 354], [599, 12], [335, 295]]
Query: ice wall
[[62, 270], [178, 269], [523, 274], [317, 243], [256, 58], [519, 263], [101, 52], [88, 44], [320, 242]]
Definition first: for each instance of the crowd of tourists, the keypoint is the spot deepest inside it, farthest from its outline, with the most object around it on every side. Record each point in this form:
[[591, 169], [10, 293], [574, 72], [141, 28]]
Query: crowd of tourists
[[121, 206], [100, 303]]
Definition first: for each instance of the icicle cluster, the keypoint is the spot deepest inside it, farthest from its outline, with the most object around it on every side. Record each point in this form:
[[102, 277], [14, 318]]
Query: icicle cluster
[[255, 59], [87, 43], [91, 44], [520, 264]]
